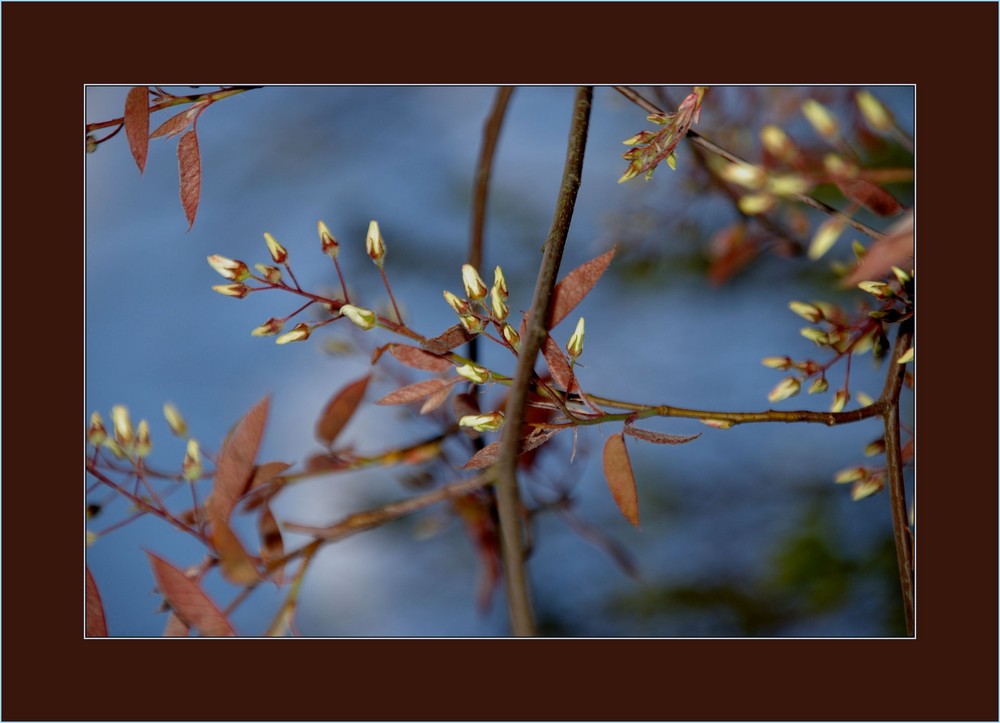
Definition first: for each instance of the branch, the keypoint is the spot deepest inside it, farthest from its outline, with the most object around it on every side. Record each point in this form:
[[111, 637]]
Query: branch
[[703, 142], [518, 601], [173, 100]]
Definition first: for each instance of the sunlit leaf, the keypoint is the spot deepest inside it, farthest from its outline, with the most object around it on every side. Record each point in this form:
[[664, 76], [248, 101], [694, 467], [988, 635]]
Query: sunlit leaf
[[621, 481], [573, 287], [339, 410], [137, 124], [188, 600], [97, 626], [189, 165]]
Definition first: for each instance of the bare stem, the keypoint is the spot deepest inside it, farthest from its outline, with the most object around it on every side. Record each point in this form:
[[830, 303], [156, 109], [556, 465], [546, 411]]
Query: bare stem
[[508, 498]]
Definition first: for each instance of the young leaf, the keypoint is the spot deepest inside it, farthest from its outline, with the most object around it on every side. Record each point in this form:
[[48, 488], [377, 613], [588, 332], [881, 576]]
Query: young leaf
[[339, 410], [894, 249], [488, 454], [417, 358], [658, 437], [175, 627], [558, 365], [271, 545], [137, 124], [97, 626], [186, 598], [571, 290], [413, 392], [453, 337], [873, 197], [234, 466], [189, 165], [236, 564], [621, 481], [179, 123]]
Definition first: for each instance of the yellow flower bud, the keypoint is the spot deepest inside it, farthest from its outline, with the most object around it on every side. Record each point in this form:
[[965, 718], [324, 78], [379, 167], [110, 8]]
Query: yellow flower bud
[[269, 328], [191, 467], [330, 246], [475, 289], [483, 422], [237, 291], [877, 115], [461, 306], [124, 434], [96, 433], [174, 420], [300, 332], [362, 318], [143, 443], [271, 273], [825, 237], [276, 250], [229, 268], [787, 387], [474, 374], [840, 399], [821, 119], [497, 304], [512, 337], [374, 244], [575, 345]]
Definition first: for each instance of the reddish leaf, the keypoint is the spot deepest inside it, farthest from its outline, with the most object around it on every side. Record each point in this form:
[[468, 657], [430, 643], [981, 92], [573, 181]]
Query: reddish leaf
[[137, 124], [189, 164], [488, 454], [454, 337], [893, 249], [271, 546], [575, 286], [873, 197], [621, 481], [97, 625], [235, 563], [339, 410], [175, 627], [659, 438], [186, 598], [179, 123], [413, 392], [264, 473], [417, 358], [234, 466], [436, 399], [558, 366]]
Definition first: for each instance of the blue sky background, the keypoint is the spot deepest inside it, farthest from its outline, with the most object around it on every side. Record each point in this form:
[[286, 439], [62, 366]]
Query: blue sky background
[[715, 512]]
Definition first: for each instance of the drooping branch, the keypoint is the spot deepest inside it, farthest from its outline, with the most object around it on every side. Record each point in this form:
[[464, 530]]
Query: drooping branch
[[508, 498]]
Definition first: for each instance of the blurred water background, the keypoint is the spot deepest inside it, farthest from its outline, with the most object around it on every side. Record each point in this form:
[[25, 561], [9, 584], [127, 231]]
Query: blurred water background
[[743, 531]]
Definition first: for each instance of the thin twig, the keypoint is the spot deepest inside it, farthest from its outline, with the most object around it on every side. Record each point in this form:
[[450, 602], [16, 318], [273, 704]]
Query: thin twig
[[518, 598], [699, 140]]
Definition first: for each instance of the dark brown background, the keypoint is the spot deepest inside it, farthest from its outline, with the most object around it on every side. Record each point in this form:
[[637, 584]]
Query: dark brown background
[[50, 50]]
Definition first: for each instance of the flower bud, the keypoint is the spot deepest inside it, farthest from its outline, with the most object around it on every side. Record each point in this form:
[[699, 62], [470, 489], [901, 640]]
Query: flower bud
[[878, 289], [850, 474], [474, 374], [124, 434], [788, 184], [867, 486], [777, 362], [497, 304], [461, 306], [174, 420], [96, 433], [806, 311], [143, 443], [875, 448], [374, 244], [276, 250], [878, 117], [864, 399], [717, 423], [269, 328], [483, 422], [300, 332], [821, 119], [744, 175], [840, 399], [330, 246], [825, 237], [906, 356], [787, 387], [112, 446], [500, 283], [471, 323], [819, 386], [512, 337], [901, 276], [237, 291], [271, 274], [754, 204], [575, 345], [778, 144], [475, 289], [191, 467], [820, 338], [229, 268], [362, 318]]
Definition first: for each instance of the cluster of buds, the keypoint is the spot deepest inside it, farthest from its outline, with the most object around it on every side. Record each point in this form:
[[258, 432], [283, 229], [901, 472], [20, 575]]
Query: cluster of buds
[[650, 148], [864, 481], [497, 311], [128, 441]]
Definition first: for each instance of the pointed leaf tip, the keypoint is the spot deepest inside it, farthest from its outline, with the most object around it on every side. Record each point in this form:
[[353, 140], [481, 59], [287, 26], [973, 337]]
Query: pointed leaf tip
[[579, 282], [621, 481], [339, 410]]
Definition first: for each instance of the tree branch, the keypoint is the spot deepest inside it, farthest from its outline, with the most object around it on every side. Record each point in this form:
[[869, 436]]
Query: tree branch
[[508, 499]]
